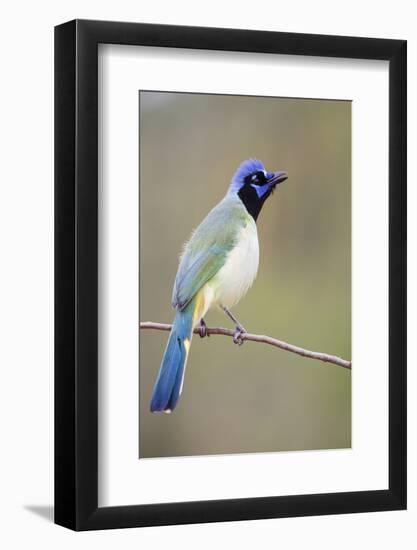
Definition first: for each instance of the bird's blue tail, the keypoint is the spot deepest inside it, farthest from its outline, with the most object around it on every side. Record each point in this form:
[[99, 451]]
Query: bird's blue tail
[[168, 385]]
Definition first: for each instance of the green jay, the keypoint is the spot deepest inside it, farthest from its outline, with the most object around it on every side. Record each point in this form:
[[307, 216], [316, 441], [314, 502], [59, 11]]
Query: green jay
[[218, 265]]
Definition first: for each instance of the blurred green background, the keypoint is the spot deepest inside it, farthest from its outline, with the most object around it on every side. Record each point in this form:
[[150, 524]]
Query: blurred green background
[[253, 398]]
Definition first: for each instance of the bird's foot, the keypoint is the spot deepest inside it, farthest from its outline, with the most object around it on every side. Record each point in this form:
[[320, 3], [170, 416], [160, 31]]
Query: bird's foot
[[202, 329], [237, 335]]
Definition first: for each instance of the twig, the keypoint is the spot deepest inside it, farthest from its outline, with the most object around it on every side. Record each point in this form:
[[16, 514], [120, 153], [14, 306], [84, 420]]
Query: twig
[[148, 325]]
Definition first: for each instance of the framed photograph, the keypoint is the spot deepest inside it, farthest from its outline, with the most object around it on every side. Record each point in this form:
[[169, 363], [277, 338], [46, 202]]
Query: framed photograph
[[233, 202]]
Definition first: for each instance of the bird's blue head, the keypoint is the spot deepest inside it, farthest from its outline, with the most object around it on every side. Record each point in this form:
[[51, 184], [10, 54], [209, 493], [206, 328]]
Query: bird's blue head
[[253, 184]]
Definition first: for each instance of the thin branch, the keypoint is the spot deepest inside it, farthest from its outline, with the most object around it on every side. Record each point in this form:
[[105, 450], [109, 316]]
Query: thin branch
[[147, 325]]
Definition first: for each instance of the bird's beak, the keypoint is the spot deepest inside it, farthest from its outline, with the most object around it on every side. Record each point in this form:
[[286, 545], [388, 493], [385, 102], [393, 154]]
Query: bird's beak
[[278, 177]]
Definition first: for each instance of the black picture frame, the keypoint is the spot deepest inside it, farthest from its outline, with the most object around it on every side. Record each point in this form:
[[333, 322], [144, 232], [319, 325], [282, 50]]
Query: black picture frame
[[76, 272]]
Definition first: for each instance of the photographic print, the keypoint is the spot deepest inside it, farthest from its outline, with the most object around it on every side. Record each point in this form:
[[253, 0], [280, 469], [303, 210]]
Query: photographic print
[[245, 239], [212, 267]]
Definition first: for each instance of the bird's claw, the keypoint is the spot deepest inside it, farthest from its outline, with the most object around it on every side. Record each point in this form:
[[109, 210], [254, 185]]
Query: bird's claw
[[237, 336], [202, 330]]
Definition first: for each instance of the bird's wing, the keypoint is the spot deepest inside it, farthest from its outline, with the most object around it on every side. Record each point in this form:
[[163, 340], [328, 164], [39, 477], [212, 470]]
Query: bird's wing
[[207, 250], [206, 264]]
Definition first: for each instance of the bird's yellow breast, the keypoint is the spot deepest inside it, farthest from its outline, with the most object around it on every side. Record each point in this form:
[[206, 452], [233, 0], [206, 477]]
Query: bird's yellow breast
[[236, 276]]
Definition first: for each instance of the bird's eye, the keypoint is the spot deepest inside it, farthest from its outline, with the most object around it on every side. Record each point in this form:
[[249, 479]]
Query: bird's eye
[[261, 177], [254, 178]]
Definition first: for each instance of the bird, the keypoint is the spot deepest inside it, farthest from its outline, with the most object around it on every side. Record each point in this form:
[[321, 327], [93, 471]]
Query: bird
[[217, 266]]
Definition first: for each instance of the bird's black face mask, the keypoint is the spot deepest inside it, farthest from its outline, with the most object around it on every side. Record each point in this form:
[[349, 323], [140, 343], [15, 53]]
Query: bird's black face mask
[[257, 187]]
